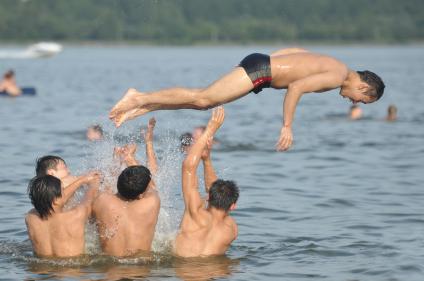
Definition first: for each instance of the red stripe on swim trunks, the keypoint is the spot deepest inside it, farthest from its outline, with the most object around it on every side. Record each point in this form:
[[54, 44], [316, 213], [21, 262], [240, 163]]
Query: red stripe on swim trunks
[[261, 81]]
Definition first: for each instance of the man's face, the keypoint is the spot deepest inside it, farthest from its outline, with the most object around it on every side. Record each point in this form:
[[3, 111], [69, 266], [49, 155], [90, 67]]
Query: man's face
[[356, 92], [61, 171]]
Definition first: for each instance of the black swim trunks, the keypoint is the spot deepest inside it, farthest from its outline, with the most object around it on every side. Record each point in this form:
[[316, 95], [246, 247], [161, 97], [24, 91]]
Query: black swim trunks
[[258, 67]]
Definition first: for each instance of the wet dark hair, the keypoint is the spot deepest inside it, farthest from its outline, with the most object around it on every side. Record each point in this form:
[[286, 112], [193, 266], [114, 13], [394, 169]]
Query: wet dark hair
[[186, 140], [43, 191], [46, 163], [374, 81], [9, 74], [133, 181], [222, 194]]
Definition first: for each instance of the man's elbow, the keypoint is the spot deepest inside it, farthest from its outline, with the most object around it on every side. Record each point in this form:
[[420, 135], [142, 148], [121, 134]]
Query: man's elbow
[[294, 89]]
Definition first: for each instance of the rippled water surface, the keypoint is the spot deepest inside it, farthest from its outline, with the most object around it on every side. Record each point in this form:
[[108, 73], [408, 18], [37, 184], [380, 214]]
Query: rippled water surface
[[345, 203]]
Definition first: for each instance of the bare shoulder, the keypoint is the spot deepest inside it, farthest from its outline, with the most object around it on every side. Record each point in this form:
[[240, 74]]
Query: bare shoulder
[[31, 216], [104, 201], [152, 195], [232, 225]]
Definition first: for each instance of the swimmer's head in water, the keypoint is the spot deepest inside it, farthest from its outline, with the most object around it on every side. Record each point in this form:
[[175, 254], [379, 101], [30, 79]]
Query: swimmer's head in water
[[391, 113], [186, 140], [133, 181], [223, 195], [94, 133], [51, 165], [366, 87], [9, 74], [43, 191]]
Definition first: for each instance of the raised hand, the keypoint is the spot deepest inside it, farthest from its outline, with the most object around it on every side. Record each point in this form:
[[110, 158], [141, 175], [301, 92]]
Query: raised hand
[[216, 120], [148, 135], [286, 139], [129, 149], [92, 177]]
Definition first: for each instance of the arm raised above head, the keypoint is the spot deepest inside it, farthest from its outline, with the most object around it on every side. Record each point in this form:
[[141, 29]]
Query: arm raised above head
[[86, 204], [192, 199], [150, 152], [208, 170]]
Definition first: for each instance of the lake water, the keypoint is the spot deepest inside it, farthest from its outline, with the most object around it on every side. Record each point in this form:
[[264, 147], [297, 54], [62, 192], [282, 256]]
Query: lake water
[[345, 203]]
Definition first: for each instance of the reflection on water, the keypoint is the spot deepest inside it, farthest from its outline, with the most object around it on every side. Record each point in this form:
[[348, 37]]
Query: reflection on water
[[195, 269], [344, 204]]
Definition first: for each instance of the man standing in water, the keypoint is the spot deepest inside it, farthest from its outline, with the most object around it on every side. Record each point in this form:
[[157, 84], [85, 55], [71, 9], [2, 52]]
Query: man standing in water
[[296, 70], [53, 231], [127, 220], [206, 230]]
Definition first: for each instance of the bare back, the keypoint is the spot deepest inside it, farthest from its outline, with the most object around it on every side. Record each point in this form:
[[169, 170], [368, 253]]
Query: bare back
[[288, 68], [204, 235], [47, 235], [126, 227]]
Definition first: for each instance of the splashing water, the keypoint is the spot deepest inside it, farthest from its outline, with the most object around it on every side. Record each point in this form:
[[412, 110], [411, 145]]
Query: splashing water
[[99, 156]]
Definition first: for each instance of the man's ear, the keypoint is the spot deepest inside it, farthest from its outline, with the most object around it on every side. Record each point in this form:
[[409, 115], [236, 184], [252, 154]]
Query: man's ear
[[51, 172], [233, 207], [363, 87]]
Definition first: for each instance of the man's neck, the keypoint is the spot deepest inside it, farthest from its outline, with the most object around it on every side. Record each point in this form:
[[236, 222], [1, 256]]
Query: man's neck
[[217, 213], [351, 76]]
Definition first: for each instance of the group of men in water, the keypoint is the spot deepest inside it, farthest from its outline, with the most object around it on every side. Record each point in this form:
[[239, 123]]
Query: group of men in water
[[126, 220]]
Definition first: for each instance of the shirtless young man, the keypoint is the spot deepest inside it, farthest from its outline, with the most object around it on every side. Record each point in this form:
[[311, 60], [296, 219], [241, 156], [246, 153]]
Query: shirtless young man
[[54, 166], [127, 220], [8, 84], [296, 70], [206, 230], [53, 231]]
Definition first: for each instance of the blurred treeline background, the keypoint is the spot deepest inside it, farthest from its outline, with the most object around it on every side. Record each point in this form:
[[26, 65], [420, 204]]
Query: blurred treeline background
[[213, 21]]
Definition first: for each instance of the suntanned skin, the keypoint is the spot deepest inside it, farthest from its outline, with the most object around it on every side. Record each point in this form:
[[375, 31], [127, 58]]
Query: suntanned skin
[[204, 230], [62, 233], [127, 227], [61, 171], [294, 69], [9, 85]]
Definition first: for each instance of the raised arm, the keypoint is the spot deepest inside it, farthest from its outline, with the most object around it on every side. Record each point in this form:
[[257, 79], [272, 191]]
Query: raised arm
[[86, 204], [288, 51], [192, 200], [69, 191], [315, 83], [128, 154], [150, 152], [208, 170]]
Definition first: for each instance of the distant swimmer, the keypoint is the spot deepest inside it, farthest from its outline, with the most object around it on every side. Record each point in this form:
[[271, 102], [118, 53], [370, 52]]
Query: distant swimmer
[[296, 70], [206, 228], [94, 133], [391, 113], [187, 139], [126, 220], [8, 84], [54, 231], [355, 112]]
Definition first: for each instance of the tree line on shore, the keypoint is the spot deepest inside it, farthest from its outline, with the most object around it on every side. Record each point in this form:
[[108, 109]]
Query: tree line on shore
[[212, 21]]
